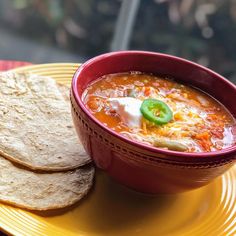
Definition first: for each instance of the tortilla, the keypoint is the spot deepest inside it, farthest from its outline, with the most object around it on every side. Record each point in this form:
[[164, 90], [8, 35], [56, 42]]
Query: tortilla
[[35, 124], [43, 191]]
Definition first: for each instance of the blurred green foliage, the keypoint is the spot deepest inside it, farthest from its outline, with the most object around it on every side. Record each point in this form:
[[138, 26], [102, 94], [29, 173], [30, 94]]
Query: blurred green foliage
[[200, 30]]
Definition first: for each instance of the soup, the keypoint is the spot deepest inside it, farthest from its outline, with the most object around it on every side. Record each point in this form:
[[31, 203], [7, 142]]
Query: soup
[[160, 112]]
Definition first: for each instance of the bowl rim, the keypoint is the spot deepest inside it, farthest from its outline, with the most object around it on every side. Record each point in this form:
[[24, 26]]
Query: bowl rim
[[198, 156]]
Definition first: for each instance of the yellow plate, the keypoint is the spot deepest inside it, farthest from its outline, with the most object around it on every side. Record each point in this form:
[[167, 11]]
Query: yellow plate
[[111, 209]]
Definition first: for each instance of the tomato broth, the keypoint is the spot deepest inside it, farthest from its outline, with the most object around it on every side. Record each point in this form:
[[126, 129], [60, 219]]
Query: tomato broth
[[160, 112]]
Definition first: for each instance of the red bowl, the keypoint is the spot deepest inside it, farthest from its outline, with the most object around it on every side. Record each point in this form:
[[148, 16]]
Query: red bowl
[[141, 167]]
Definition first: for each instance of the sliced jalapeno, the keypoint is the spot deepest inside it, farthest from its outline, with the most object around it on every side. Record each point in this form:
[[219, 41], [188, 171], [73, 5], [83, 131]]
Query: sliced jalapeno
[[156, 111]]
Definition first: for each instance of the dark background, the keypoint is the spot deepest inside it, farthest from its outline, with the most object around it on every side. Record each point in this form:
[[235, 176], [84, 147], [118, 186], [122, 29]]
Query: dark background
[[44, 31]]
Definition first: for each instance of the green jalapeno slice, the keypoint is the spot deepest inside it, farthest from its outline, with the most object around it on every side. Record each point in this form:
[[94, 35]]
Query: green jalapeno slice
[[156, 111]]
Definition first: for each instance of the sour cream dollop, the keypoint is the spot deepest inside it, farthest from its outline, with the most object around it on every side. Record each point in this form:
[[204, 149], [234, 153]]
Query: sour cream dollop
[[128, 109]]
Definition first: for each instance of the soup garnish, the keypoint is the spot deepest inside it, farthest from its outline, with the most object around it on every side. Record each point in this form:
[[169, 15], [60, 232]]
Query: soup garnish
[[156, 111], [160, 112]]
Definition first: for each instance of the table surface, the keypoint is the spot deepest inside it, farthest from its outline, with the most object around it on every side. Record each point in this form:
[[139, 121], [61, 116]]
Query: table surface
[[7, 65]]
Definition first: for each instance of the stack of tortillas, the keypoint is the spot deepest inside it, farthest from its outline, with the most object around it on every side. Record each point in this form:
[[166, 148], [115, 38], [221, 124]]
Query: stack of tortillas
[[42, 164]]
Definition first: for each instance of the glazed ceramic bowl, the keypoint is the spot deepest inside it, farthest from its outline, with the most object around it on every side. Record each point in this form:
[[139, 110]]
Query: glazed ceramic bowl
[[141, 167]]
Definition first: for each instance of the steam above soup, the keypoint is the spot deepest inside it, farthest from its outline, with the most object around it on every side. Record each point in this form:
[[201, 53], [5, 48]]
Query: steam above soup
[[160, 112]]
